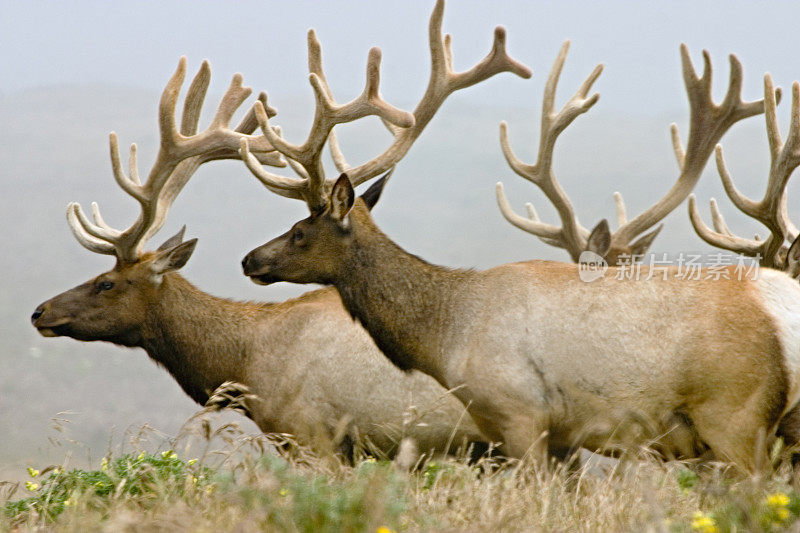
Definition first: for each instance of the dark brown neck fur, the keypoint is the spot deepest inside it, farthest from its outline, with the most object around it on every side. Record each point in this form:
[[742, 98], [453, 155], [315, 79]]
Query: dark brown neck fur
[[401, 300], [200, 339]]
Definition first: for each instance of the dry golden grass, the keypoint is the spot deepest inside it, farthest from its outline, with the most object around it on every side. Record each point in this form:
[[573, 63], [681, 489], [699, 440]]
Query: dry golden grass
[[220, 479]]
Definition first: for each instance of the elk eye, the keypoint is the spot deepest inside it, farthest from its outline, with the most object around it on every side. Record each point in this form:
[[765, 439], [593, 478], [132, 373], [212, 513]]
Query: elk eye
[[105, 285], [298, 236]]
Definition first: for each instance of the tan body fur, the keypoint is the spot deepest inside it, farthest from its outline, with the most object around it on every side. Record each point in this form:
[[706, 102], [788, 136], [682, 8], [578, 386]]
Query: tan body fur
[[544, 359], [672, 365]]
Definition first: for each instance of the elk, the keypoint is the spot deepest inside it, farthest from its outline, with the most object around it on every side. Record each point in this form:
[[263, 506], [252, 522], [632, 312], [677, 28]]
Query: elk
[[545, 362], [313, 372], [708, 122], [781, 248]]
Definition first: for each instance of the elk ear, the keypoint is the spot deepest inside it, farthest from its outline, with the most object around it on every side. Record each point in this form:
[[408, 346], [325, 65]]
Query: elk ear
[[373, 194], [599, 239], [173, 241], [172, 258], [342, 198], [793, 258], [643, 243]]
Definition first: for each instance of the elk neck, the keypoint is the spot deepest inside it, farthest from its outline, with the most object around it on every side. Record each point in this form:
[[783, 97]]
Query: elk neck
[[200, 339], [404, 302]]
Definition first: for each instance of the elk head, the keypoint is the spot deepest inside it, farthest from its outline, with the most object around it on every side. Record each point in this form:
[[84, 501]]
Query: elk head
[[312, 250], [313, 243], [114, 304]]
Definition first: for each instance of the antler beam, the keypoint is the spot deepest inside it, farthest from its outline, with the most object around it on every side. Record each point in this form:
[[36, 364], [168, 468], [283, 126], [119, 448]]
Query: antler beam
[[771, 209], [405, 127], [708, 122], [571, 235], [181, 152]]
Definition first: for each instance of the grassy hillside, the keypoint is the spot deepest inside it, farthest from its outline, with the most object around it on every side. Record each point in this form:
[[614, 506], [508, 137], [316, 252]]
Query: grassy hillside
[[243, 484]]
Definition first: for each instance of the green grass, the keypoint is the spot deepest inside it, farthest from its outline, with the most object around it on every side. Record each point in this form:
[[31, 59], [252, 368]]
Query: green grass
[[248, 485]]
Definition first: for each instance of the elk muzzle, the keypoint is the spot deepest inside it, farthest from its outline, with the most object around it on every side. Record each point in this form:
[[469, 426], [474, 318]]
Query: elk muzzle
[[45, 323], [257, 268]]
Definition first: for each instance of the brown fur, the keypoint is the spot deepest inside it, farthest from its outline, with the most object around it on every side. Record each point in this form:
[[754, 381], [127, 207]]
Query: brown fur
[[310, 365], [685, 366]]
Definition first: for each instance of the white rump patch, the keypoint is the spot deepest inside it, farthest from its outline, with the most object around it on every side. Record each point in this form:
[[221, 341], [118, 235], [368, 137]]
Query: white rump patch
[[781, 296]]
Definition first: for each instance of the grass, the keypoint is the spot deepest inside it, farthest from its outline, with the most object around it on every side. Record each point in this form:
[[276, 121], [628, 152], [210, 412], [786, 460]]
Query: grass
[[257, 483]]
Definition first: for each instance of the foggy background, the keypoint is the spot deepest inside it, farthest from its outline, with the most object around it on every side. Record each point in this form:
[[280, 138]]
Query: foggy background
[[72, 72]]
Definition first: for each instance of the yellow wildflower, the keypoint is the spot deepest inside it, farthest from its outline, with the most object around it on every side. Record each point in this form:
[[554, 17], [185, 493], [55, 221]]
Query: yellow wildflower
[[779, 499], [31, 486], [104, 464], [383, 529], [33, 472], [56, 471], [194, 480], [783, 514], [703, 523], [283, 492], [190, 462], [141, 456], [165, 454]]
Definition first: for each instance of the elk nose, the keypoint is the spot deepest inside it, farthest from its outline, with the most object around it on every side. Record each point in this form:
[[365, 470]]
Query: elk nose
[[247, 264], [36, 314]]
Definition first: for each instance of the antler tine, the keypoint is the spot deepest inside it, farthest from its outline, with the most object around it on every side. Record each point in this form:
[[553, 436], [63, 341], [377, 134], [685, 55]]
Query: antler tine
[[720, 239], [532, 225], [708, 122], [132, 186], [181, 152], [193, 104], [677, 147], [787, 227], [739, 200], [404, 127], [718, 220], [336, 153], [328, 114], [571, 235], [287, 187], [533, 215], [100, 246], [771, 209], [443, 81], [619, 204], [249, 123]]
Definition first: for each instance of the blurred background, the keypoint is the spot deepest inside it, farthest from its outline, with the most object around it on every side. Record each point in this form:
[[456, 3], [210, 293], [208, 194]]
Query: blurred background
[[71, 72]]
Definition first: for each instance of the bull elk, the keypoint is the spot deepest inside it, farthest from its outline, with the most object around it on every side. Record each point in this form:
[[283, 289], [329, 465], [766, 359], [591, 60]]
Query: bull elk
[[781, 248], [308, 365], [546, 362]]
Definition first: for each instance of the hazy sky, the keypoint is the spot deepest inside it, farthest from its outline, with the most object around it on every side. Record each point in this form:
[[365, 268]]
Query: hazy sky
[[138, 43]]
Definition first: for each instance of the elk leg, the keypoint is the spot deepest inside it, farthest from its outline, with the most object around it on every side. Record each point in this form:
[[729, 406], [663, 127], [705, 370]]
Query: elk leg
[[570, 458], [789, 430], [738, 437], [527, 437]]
